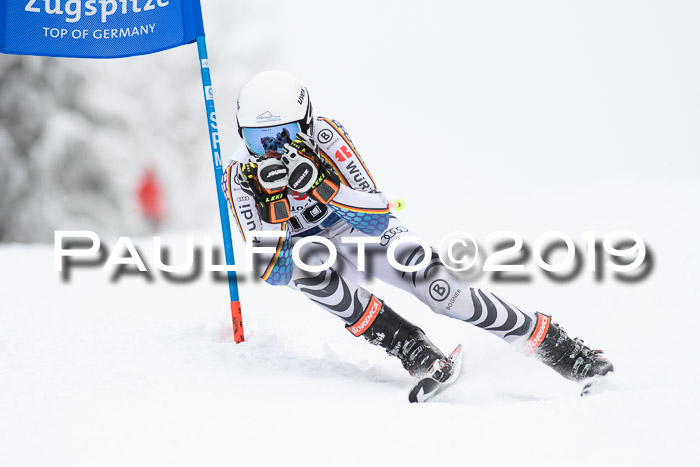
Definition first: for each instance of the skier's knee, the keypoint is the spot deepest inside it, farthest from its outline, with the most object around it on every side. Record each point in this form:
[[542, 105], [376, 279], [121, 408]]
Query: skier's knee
[[445, 294]]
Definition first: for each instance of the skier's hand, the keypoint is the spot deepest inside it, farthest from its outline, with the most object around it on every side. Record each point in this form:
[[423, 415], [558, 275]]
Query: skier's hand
[[266, 181], [308, 173]]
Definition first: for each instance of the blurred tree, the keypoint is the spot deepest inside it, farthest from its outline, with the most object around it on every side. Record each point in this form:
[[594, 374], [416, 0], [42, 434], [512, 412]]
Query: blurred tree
[[75, 135], [49, 170]]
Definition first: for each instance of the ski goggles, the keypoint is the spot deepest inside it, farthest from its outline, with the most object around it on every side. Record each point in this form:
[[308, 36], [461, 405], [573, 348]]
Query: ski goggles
[[270, 138]]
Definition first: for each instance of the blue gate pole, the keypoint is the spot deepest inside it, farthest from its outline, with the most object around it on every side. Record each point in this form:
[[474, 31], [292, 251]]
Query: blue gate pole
[[218, 174]]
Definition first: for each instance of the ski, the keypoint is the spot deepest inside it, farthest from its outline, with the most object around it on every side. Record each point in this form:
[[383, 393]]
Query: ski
[[428, 386]]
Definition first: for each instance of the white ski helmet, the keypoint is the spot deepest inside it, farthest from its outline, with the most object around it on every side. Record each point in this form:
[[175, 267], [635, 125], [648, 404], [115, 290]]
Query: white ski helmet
[[273, 106]]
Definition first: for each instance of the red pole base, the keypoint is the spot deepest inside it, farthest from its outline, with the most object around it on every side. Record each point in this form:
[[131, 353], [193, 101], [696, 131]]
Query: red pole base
[[237, 318]]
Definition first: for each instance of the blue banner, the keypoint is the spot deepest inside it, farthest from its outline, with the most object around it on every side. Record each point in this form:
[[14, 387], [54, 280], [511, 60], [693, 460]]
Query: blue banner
[[97, 28]]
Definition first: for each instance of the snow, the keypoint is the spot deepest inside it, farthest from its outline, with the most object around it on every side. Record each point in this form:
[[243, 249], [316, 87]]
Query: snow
[[139, 373], [526, 117]]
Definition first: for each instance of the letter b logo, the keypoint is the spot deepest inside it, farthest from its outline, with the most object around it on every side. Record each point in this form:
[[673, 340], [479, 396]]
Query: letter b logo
[[439, 290]]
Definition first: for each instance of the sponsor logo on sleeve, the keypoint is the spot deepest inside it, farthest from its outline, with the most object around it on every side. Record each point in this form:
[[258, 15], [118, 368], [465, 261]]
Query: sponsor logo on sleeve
[[343, 153], [357, 175], [325, 135]]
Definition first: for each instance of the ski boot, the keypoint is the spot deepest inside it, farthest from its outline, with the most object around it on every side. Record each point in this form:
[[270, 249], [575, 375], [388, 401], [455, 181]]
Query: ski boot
[[568, 357], [382, 326]]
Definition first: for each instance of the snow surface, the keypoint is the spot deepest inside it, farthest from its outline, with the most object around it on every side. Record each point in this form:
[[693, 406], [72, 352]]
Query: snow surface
[[533, 116], [142, 373]]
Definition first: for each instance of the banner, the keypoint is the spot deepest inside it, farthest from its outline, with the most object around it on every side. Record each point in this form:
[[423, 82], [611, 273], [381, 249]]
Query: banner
[[97, 28]]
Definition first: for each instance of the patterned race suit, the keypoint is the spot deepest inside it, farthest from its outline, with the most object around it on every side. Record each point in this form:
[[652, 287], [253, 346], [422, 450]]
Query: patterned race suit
[[360, 210]]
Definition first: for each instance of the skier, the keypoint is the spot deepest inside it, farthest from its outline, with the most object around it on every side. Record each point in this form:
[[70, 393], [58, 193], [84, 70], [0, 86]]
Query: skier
[[303, 176]]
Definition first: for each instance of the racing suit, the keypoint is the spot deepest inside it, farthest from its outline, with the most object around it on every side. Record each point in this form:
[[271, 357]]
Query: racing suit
[[361, 210]]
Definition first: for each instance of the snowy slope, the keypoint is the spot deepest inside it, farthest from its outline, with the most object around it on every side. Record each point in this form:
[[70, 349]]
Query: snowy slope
[[94, 373], [539, 116]]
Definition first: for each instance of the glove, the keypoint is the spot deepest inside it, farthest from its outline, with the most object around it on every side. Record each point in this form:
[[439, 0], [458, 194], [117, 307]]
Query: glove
[[308, 173], [266, 181]]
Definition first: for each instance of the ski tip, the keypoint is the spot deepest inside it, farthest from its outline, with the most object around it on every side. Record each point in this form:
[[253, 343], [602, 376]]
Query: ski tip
[[428, 387], [423, 390], [413, 395]]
